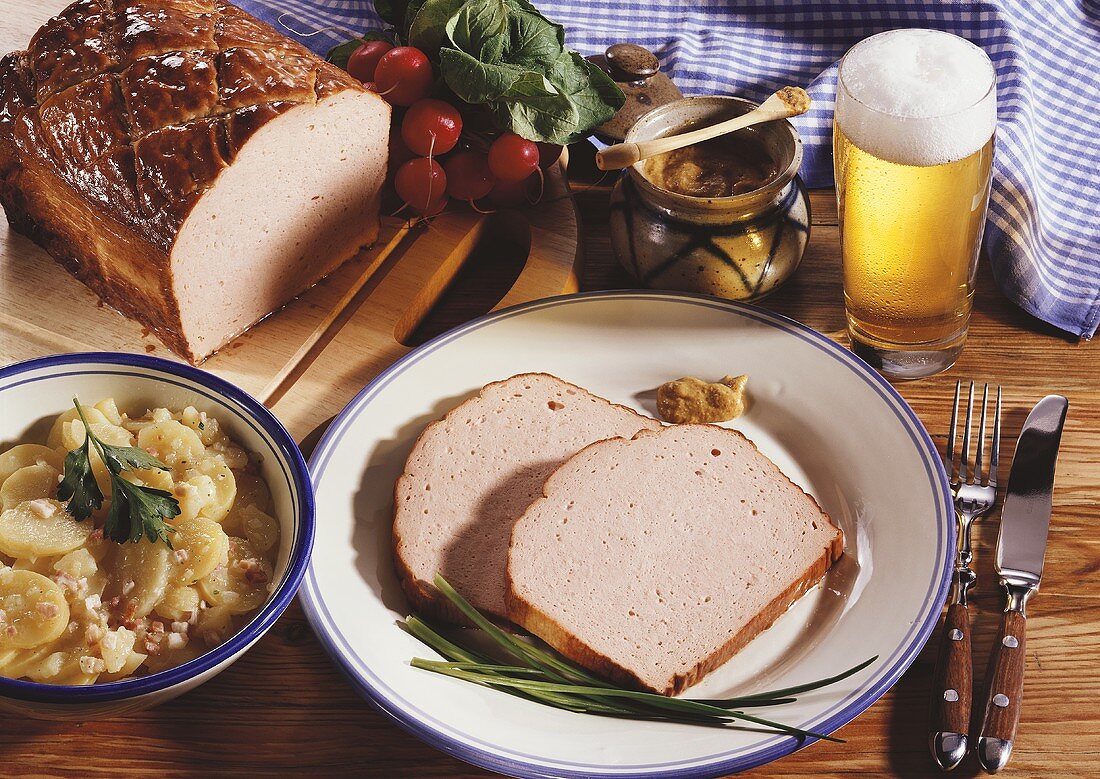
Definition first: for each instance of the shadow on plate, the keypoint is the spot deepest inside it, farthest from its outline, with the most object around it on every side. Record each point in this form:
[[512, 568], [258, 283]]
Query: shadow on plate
[[372, 538]]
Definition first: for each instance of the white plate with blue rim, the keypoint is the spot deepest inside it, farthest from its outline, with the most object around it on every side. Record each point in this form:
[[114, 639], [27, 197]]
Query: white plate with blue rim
[[826, 418]]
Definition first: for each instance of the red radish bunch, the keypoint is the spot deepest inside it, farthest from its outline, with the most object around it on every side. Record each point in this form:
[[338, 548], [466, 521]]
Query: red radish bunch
[[432, 128]]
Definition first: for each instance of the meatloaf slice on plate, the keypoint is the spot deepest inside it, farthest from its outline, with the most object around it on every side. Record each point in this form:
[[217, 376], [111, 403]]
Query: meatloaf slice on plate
[[652, 561]]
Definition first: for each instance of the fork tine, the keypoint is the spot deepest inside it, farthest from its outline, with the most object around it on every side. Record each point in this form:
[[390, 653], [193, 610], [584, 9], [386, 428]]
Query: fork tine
[[964, 472], [995, 452], [981, 438], [949, 458]]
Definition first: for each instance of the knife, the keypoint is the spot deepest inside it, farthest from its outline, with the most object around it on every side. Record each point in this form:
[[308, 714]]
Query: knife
[[1025, 520]]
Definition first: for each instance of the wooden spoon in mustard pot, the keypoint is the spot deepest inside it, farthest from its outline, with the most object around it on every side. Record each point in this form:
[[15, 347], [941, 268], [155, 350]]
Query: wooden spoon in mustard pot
[[787, 102]]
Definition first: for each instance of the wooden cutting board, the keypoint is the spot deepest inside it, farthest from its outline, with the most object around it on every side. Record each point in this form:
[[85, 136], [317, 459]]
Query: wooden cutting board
[[43, 310]]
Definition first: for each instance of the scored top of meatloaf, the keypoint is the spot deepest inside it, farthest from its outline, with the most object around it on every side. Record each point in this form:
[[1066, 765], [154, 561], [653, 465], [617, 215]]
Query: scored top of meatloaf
[[140, 105]]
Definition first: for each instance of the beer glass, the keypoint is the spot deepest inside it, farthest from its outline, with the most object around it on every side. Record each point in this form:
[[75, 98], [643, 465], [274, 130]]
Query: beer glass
[[913, 152]]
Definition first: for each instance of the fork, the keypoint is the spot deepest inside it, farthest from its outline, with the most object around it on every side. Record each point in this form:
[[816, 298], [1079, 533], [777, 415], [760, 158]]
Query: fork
[[975, 492]]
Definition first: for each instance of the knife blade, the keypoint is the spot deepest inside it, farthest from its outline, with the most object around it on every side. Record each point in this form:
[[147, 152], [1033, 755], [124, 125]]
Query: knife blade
[[1021, 545], [1025, 516]]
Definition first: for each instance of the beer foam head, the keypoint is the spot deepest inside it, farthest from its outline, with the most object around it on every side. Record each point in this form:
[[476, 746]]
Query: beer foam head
[[917, 97]]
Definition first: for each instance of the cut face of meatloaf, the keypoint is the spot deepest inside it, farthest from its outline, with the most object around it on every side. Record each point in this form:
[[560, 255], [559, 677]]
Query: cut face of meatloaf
[[652, 561], [472, 474], [190, 164]]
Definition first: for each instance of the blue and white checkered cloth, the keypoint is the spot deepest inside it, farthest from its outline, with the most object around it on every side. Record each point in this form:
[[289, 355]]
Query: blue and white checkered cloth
[[1043, 235]]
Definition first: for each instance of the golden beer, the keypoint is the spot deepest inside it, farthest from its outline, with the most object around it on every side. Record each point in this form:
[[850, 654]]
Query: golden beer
[[909, 237], [913, 160]]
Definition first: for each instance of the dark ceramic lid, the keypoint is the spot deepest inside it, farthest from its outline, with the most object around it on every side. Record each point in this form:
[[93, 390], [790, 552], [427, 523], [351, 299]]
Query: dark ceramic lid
[[637, 72]]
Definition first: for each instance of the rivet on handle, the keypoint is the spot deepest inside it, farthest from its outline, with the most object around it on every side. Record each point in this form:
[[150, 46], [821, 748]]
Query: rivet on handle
[[950, 696], [956, 634], [1000, 700], [1010, 642]]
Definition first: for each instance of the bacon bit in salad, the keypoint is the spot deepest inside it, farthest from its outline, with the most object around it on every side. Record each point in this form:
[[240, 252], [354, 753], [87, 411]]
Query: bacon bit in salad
[[46, 609], [152, 647], [3, 616], [66, 580], [253, 571], [92, 665], [97, 535], [93, 634], [180, 627], [156, 626], [42, 507], [93, 602], [181, 555]]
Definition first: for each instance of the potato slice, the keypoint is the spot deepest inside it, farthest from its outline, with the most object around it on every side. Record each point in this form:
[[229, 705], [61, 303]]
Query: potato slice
[[34, 608], [62, 427], [172, 443], [201, 546], [179, 603], [37, 528], [225, 488], [252, 491], [29, 483], [141, 574], [28, 454], [248, 578], [260, 528]]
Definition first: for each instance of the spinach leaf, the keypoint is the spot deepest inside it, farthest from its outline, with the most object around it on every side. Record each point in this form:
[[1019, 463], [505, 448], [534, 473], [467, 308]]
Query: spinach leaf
[[533, 40], [412, 8], [428, 29], [390, 11], [474, 81], [338, 55], [534, 109], [591, 91], [505, 55], [479, 29]]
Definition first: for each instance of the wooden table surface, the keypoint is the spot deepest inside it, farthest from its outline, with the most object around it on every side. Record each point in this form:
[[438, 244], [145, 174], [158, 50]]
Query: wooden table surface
[[284, 709]]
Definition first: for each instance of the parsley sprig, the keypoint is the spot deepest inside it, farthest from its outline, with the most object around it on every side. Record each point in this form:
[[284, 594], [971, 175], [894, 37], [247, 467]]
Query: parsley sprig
[[136, 510]]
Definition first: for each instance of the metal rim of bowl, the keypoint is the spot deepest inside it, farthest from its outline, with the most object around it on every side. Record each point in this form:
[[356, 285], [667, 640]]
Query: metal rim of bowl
[[125, 689], [772, 188]]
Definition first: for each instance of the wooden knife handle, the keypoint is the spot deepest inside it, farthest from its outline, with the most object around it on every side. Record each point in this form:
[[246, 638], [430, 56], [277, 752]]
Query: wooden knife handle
[[952, 690], [1004, 693]]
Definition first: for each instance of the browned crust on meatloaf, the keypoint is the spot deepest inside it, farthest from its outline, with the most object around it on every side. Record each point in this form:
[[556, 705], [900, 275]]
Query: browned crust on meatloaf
[[423, 596], [118, 118], [531, 618]]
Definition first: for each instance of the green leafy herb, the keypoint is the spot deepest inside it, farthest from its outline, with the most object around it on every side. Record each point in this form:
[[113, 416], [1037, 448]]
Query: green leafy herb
[[544, 677], [136, 510], [506, 56], [479, 28]]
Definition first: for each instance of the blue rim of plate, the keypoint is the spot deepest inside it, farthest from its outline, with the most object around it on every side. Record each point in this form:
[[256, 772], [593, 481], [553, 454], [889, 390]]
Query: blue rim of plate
[[250, 412], [512, 763]]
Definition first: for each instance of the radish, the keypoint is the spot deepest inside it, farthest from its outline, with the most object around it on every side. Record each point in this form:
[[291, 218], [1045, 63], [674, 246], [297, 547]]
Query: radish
[[403, 75], [431, 127]]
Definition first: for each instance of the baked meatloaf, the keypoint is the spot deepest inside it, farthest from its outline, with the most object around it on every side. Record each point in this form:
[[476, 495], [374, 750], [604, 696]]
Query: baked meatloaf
[[190, 164]]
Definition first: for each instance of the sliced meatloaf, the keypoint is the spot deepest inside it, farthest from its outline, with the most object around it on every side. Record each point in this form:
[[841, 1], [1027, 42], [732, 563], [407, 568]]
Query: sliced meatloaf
[[472, 474], [190, 164], [652, 561]]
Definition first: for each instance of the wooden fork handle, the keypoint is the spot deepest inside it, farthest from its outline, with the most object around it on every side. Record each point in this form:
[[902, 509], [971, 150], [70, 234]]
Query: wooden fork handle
[[949, 719], [1004, 693]]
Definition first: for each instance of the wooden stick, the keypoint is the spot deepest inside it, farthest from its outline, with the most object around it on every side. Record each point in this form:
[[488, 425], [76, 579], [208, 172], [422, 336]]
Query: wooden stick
[[787, 102]]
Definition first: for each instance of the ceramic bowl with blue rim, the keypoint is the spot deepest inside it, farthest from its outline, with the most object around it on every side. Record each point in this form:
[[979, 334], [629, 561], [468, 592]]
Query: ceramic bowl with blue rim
[[34, 392]]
